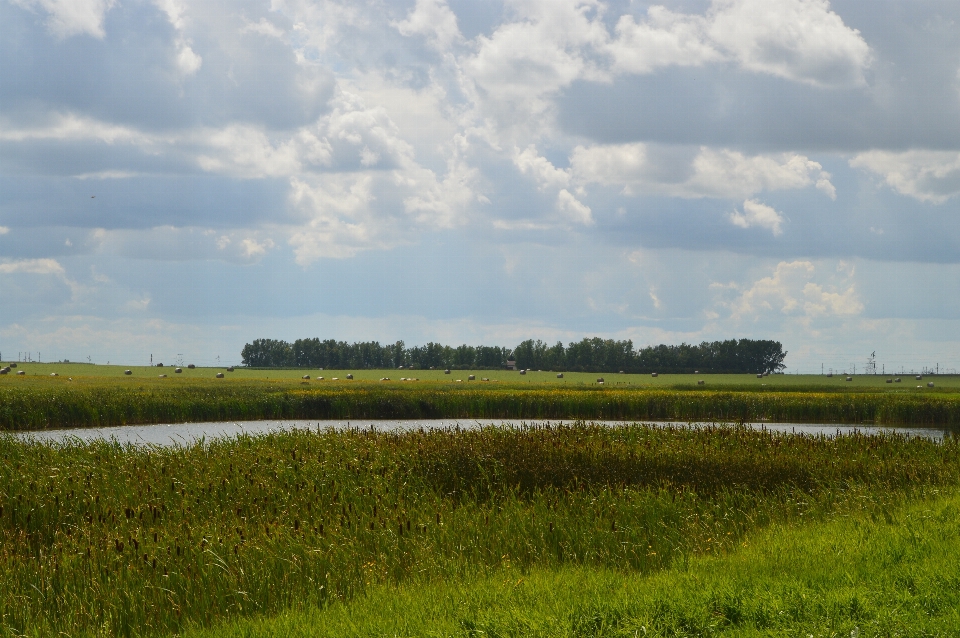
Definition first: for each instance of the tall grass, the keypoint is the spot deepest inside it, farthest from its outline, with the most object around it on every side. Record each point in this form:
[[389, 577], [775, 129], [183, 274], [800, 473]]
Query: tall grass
[[105, 539], [27, 404]]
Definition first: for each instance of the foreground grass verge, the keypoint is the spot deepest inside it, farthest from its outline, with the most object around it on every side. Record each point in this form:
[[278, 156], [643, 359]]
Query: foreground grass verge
[[897, 574], [42, 403], [101, 539]]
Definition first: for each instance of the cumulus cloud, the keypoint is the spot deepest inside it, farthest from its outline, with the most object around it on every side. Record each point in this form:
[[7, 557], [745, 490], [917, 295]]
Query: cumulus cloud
[[72, 17], [790, 290], [32, 266], [573, 209], [929, 176], [433, 19], [4, 230], [708, 173], [799, 40], [547, 176], [665, 38], [758, 214]]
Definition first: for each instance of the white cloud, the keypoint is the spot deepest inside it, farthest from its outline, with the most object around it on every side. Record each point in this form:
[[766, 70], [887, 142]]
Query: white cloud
[[4, 230], [548, 176], [709, 173], [800, 40], [253, 248], [664, 39], [72, 17], [929, 176], [572, 209], [32, 266], [791, 291], [435, 20], [187, 60], [139, 304], [263, 27], [758, 214]]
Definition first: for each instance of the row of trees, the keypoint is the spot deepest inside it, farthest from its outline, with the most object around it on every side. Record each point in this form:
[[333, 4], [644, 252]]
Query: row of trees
[[588, 355]]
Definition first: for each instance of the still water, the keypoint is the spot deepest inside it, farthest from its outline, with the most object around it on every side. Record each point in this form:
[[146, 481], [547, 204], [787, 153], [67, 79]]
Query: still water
[[188, 433]]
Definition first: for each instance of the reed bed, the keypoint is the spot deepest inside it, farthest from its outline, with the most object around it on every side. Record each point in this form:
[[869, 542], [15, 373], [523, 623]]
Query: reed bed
[[102, 539], [31, 404]]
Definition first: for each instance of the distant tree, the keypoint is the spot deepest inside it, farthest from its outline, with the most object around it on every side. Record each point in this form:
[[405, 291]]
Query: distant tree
[[267, 353], [590, 355]]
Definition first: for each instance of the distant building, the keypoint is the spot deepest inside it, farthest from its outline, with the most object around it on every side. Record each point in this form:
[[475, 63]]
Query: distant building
[[511, 364]]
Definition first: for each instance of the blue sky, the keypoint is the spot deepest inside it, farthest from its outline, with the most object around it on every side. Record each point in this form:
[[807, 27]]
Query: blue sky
[[179, 178]]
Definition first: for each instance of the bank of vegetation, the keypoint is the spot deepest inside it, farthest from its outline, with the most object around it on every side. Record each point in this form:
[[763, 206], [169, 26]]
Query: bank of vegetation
[[44, 403], [99, 539], [587, 355]]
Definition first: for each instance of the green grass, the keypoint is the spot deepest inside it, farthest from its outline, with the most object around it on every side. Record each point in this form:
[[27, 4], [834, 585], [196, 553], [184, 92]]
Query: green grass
[[43, 402], [99, 539], [894, 575]]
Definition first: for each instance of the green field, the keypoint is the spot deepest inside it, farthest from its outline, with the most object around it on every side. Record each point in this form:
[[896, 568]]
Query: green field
[[40, 401], [582, 530], [531, 378]]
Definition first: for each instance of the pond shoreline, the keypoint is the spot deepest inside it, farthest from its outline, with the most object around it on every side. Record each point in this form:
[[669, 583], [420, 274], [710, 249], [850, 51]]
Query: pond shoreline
[[173, 434]]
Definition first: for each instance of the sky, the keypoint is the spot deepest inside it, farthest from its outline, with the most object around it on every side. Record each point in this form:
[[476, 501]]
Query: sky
[[178, 178]]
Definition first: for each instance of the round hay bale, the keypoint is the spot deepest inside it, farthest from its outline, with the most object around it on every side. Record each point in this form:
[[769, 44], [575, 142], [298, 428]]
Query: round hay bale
[[472, 377], [128, 372], [559, 375], [230, 369], [178, 370], [162, 376], [929, 384], [306, 376], [12, 365], [54, 374], [700, 382], [350, 376], [4, 371], [219, 375], [600, 380], [191, 366], [446, 371], [849, 378], [919, 377], [897, 380], [760, 376], [654, 374], [21, 372], [889, 380], [159, 365], [523, 372]]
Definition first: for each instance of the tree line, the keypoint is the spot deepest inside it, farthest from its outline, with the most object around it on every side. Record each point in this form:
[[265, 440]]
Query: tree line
[[588, 355]]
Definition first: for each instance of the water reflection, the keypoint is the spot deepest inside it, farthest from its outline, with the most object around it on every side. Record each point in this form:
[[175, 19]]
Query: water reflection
[[188, 433]]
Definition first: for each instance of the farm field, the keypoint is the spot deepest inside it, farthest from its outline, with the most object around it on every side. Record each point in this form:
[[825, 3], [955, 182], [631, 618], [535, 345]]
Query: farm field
[[38, 401], [501, 531], [531, 378]]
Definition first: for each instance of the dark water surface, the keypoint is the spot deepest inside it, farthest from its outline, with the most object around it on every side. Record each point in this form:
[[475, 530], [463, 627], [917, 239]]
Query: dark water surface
[[188, 433]]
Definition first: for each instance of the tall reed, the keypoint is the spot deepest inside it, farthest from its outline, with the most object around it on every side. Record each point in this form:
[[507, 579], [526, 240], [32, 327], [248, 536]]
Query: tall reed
[[105, 539], [52, 403]]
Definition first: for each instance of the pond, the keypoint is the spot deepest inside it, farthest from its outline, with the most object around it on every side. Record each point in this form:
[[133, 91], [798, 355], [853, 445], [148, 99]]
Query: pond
[[188, 433]]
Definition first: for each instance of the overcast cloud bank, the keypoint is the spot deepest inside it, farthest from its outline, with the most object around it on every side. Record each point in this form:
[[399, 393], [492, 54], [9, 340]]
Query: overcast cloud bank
[[186, 176]]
